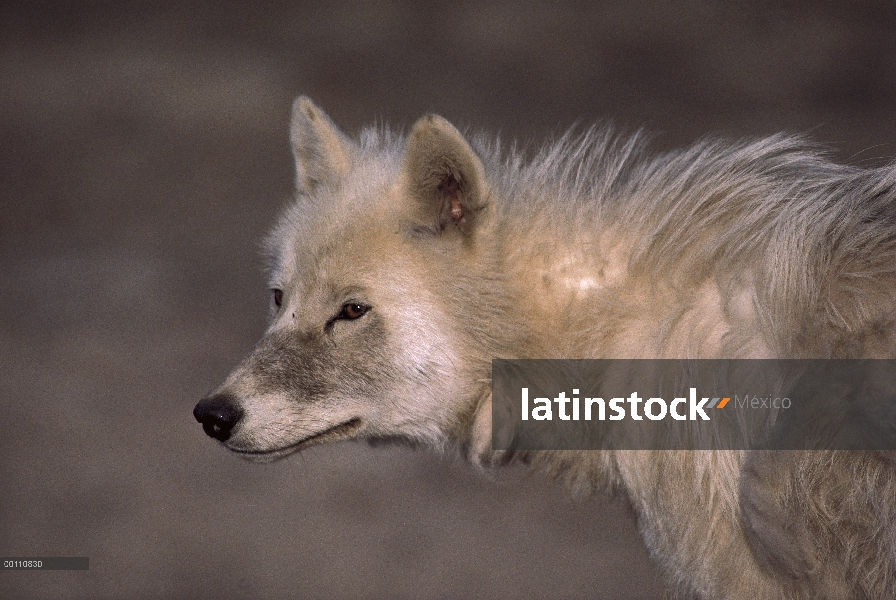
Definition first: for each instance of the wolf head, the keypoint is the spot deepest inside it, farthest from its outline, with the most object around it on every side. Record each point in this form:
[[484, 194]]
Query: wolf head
[[384, 290]]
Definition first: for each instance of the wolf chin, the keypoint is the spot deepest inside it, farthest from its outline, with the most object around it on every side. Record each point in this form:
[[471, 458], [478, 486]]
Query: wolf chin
[[406, 263]]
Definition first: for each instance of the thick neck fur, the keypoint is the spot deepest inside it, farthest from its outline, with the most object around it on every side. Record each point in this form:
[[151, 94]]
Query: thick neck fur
[[660, 257]]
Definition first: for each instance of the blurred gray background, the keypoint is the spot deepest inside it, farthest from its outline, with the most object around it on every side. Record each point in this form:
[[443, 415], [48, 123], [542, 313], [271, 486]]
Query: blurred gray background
[[145, 154]]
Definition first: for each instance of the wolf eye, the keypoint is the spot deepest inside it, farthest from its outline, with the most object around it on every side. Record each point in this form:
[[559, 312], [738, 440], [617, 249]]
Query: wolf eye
[[278, 298], [352, 310]]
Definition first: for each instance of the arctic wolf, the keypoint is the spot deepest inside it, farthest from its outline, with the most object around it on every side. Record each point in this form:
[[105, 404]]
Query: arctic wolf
[[406, 264]]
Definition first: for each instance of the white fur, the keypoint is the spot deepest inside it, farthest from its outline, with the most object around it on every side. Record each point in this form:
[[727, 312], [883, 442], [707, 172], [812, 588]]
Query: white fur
[[596, 248]]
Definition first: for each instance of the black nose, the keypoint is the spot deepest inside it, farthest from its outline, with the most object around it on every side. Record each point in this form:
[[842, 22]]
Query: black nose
[[218, 414]]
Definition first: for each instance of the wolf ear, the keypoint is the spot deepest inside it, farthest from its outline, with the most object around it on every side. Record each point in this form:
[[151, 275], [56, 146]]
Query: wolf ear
[[443, 177], [323, 153]]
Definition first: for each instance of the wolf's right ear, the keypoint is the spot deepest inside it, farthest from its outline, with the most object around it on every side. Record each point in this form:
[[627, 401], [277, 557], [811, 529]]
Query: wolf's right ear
[[443, 177], [323, 153]]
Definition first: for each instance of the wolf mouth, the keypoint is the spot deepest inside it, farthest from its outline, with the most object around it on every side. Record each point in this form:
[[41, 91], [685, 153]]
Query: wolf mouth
[[332, 434]]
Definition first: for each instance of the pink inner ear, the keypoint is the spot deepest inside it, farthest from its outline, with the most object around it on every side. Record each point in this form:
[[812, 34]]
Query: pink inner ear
[[450, 188], [457, 209]]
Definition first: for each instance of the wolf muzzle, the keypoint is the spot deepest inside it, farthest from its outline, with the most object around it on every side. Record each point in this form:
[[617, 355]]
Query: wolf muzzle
[[218, 414]]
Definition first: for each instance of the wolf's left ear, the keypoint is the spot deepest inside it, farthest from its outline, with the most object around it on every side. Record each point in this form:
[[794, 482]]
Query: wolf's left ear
[[443, 177], [323, 153]]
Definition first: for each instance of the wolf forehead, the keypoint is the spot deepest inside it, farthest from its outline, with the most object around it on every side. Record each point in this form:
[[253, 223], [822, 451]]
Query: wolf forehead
[[327, 216]]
